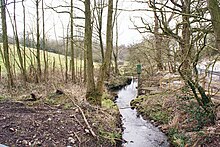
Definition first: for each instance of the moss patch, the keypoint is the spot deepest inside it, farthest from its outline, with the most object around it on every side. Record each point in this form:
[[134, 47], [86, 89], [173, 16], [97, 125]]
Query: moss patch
[[152, 107], [107, 102], [2, 98]]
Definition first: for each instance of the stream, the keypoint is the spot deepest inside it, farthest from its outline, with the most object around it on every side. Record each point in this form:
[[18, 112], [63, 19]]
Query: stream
[[137, 131]]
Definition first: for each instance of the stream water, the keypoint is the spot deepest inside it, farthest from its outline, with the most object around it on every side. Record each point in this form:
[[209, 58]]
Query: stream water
[[137, 131]]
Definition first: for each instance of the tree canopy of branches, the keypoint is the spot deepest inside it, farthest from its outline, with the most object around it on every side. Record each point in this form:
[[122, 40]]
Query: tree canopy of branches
[[187, 22]]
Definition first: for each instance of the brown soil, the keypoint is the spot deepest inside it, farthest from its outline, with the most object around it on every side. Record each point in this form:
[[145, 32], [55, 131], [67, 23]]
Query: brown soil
[[55, 119], [44, 125]]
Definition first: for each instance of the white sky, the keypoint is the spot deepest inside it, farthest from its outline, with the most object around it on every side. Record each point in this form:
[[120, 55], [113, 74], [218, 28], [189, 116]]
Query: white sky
[[52, 19]]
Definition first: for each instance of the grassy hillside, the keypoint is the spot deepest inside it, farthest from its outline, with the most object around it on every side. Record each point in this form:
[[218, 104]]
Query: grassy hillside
[[30, 56]]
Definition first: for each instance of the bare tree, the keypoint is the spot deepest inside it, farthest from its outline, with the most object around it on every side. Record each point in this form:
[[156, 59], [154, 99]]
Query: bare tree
[[66, 59], [105, 68], [99, 8], [5, 44], [24, 38], [187, 34], [38, 56], [44, 43], [115, 22], [214, 10], [115, 52], [72, 43], [90, 90], [23, 70], [158, 43]]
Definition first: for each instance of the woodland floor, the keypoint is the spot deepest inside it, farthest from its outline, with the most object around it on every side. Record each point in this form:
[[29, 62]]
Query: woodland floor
[[57, 118]]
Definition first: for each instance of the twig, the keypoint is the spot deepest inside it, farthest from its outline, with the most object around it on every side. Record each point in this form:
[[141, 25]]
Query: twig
[[84, 117], [77, 137], [125, 107], [78, 120]]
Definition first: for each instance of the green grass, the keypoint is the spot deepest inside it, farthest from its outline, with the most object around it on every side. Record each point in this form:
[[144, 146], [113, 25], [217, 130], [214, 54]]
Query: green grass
[[30, 55], [112, 136], [178, 139]]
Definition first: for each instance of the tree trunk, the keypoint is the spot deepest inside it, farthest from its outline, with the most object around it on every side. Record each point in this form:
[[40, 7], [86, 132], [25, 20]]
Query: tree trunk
[[84, 64], [38, 44], [104, 70], [23, 72], [214, 9], [24, 38], [185, 44], [80, 66], [5, 45], [72, 45], [158, 44], [66, 59], [115, 54], [91, 90], [99, 9], [43, 45]]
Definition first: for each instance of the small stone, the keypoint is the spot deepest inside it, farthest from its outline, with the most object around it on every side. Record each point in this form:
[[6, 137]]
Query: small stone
[[49, 119], [71, 140], [86, 130], [12, 129], [71, 134], [24, 142], [77, 110], [159, 127], [38, 143], [71, 116]]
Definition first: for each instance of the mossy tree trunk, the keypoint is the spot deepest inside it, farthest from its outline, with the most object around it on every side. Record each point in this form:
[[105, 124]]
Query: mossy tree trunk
[[214, 10], [198, 91], [90, 87], [105, 68], [158, 43]]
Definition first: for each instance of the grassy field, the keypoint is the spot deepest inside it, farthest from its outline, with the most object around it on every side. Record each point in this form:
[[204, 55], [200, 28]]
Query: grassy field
[[30, 56]]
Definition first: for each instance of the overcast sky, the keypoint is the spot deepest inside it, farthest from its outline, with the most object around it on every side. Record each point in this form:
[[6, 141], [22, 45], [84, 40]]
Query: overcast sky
[[54, 21]]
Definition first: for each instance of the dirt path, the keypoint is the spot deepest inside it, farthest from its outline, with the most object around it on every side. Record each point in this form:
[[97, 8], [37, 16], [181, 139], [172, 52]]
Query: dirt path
[[44, 125]]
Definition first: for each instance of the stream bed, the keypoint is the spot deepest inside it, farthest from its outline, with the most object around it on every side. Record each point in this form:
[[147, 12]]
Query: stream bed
[[137, 131]]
